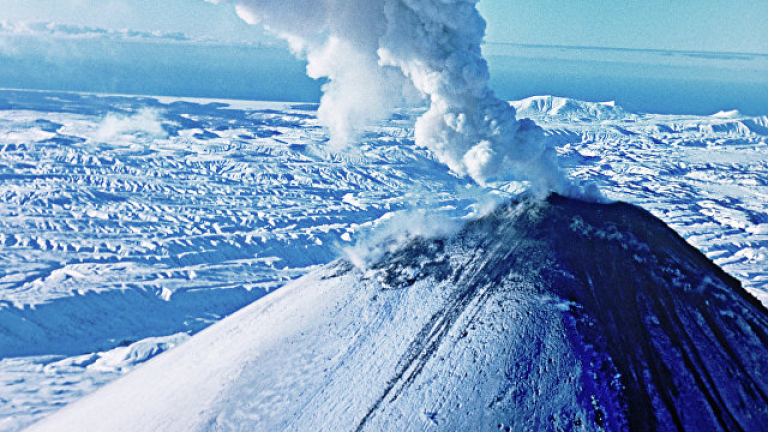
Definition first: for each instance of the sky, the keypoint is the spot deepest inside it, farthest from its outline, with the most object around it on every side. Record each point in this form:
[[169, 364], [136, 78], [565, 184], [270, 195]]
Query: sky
[[195, 18], [696, 25], [197, 48], [701, 25]]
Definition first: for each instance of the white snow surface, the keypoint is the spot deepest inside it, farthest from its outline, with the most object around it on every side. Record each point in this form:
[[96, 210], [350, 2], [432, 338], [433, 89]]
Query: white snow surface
[[118, 239], [308, 347], [462, 333]]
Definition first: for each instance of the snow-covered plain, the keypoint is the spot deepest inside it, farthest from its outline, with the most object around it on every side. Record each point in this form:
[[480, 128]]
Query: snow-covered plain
[[128, 223]]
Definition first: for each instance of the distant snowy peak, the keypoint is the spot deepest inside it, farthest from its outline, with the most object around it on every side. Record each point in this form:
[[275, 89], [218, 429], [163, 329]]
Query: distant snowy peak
[[732, 114], [548, 108], [543, 315], [567, 108]]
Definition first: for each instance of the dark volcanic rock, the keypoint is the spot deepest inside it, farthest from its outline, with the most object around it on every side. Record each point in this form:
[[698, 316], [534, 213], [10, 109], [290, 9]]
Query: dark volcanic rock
[[687, 343]]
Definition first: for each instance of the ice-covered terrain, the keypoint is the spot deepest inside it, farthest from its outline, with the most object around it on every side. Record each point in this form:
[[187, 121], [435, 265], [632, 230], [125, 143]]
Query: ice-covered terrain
[[128, 223], [505, 325]]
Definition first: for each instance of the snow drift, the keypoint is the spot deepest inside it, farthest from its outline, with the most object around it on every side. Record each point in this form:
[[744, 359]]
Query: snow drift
[[553, 315], [378, 54]]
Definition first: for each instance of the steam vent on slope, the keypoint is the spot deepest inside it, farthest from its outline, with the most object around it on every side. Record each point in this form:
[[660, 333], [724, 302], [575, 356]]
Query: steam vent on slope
[[542, 316]]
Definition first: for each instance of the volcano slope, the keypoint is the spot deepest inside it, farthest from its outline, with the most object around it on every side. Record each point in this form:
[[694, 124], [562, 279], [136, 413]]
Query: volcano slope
[[544, 315]]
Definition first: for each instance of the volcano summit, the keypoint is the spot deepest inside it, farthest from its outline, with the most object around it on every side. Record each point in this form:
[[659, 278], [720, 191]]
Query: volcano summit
[[543, 315]]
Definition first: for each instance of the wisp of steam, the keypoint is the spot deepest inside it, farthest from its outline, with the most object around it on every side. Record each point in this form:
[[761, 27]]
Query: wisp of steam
[[378, 54]]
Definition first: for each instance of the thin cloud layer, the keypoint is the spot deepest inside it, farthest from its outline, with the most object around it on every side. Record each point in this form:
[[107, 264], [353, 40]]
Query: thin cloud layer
[[146, 122], [65, 31]]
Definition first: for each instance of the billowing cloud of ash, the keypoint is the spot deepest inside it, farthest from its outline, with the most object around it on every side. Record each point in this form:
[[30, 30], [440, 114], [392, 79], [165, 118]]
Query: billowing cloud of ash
[[375, 53]]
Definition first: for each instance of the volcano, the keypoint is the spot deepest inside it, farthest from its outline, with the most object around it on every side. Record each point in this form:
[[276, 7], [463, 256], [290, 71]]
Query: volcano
[[545, 315]]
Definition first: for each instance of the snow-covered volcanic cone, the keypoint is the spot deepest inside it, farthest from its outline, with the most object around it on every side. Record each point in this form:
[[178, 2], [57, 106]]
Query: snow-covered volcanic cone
[[554, 315]]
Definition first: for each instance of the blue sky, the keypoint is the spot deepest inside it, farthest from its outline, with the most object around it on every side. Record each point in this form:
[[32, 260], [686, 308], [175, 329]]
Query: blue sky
[[196, 48], [702, 25]]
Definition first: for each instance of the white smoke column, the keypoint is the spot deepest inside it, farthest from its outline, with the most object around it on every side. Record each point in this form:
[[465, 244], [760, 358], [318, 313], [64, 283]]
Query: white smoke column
[[340, 40], [146, 122], [374, 51]]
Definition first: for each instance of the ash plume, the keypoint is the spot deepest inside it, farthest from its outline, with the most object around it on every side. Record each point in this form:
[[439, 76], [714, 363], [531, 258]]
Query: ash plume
[[378, 54]]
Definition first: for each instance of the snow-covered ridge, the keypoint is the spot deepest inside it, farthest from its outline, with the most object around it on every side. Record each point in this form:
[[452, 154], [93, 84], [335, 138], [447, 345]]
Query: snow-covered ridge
[[567, 108], [732, 114]]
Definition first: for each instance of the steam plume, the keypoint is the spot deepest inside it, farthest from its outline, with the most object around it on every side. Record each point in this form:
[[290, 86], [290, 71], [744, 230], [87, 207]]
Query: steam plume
[[374, 53]]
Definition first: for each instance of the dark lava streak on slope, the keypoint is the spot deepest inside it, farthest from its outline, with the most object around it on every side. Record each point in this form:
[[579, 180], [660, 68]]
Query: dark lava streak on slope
[[685, 341]]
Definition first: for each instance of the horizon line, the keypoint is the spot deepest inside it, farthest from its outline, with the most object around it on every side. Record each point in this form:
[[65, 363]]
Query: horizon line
[[625, 49]]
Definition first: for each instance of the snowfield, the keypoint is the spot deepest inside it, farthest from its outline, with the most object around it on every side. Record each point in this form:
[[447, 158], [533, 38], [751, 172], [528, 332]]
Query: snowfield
[[129, 223], [506, 325]]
